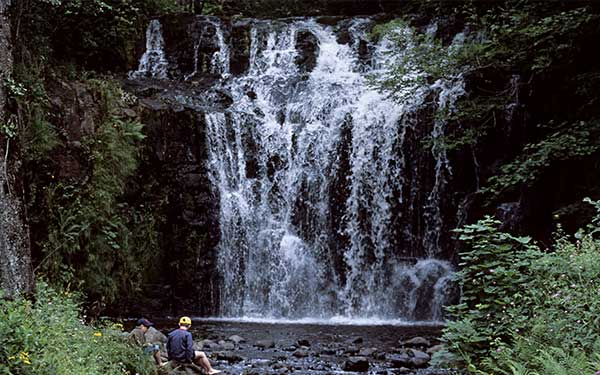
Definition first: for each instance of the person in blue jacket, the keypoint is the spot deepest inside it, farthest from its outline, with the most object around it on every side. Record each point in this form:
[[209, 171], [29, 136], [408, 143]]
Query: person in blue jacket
[[180, 347]]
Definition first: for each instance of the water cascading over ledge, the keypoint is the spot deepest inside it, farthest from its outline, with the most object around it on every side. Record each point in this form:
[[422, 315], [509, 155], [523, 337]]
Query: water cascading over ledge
[[329, 204]]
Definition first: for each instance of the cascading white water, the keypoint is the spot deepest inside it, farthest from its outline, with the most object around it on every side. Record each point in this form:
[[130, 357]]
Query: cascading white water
[[312, 170], [153, 63], [277, 264]]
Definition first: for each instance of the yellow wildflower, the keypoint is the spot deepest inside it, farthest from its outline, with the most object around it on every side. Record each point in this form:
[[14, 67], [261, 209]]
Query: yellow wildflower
[[98, 334], [24, 356]]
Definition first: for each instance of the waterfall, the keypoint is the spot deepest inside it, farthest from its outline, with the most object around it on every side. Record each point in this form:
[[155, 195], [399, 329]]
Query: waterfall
[[328, 204], [153, 63]]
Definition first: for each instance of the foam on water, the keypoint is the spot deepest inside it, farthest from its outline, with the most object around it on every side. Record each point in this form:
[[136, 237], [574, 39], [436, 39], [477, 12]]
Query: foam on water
[[333, 321]]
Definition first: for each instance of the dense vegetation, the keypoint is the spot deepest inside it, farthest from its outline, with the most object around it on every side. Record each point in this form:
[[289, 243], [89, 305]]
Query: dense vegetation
[[524, 309], [47, 336]]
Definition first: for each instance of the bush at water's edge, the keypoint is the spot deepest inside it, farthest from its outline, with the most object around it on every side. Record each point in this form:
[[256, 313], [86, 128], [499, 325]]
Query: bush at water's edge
[[48, 336], [525, 310]]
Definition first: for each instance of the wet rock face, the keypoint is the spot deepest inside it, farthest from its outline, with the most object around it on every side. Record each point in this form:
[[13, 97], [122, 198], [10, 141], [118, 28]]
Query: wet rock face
[[307, 46], [190, 44], [240, 42], [174, 170], [16, 274]]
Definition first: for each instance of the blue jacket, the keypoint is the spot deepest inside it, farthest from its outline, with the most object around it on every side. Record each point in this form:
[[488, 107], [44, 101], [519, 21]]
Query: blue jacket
[[180, 346]]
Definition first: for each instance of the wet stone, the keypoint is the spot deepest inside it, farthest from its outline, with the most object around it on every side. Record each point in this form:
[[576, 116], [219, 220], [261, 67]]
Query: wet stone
[[328, 351], [435, 349], [360, 364], [230, 357], [379, 355], [358, 340], [416, 341], [419, 358], [301, 353], [400, 360], [265, 344], [351, 350], [367, 352], [228, 346]]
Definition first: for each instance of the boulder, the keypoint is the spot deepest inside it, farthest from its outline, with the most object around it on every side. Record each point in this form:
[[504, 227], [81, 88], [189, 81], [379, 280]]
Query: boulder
[[435, 349], [358, 340], [400, 360], [230, 357], [379, 355], [360, 364], [307, 46], [265, 344], [236, 339], [416, 341], [352, 350], [154, 336], [328, 351], [301, 353], [418, 358], [208, 344], [367, 352], [303, 343]]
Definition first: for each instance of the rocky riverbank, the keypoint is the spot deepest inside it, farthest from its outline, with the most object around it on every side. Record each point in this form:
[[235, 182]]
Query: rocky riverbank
[[266, 348]]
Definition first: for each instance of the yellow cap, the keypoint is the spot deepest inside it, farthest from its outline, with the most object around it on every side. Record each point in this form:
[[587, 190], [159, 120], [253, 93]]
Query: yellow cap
[[185, 320]]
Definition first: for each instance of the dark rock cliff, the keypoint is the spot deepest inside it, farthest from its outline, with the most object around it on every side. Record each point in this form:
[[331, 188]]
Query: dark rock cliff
[[171, 184], [173, 179]]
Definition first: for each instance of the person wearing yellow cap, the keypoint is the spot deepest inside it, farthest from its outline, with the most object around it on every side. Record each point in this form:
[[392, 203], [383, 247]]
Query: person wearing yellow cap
[[180, 347]]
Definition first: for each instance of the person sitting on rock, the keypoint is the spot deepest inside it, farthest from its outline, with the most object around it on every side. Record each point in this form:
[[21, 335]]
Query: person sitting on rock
[[137, 336], [156, 337], [180, 347]]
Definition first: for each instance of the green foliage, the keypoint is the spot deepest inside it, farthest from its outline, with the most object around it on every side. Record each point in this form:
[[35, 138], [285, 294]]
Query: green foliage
[[94, 240], [94, 34], [14, 89], [568, 142], [47, 336], [526, 311], [494, 264], [272, 8], [38, 137], [9, 128], [513, 38]]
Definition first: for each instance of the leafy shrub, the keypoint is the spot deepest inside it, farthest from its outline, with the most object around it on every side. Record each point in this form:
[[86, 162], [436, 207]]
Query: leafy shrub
[[47, 336], [524, 310], [94, 240], [568, 142], [494, 271]]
